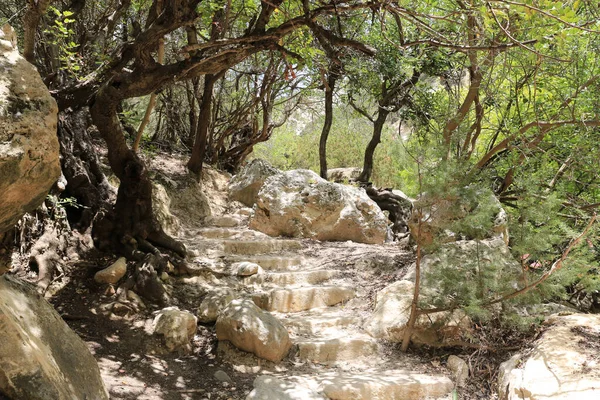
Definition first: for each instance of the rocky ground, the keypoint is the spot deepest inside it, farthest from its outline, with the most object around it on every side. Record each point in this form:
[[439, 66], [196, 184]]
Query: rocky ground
[[321, 295], [321, 291]]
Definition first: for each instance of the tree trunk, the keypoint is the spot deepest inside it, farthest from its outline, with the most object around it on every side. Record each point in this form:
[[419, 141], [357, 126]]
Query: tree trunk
[[399, 208], [31, 20], [199, 149], [367, 171], [132, 224], [329, 87], [81, 168]]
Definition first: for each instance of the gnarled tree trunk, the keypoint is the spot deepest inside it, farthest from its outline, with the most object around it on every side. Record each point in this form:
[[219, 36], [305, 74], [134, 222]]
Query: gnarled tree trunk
[[132, 225]]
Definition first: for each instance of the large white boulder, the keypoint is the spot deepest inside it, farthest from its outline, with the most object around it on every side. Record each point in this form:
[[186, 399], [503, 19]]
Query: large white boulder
[[299, 203], [253, 330], [563, 363], [246, 184], [29, 152], [40, 356]]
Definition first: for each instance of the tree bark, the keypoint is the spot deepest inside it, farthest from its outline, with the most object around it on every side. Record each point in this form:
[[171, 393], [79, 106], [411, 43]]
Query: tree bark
[[81, 168], [132, 224], [329, 88], [365, 175], [31, 20], [204, 119]]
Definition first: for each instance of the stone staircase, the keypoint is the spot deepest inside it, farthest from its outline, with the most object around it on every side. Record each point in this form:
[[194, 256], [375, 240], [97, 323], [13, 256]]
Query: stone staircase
[[322, 303]]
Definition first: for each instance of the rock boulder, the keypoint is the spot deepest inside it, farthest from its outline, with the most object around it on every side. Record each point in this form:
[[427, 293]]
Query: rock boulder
[[253, 330], [392, 311], [40, 356], [246, 184], [113, 273], [29, 152], [161, 205], [176, 328], [563, 363], [299, 203]]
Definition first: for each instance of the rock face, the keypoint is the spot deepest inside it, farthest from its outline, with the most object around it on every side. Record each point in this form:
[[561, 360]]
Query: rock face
[[176, 328], [40, 356], [245, 186], [29, 152], [250, 329], [563, 363], [299, 203]]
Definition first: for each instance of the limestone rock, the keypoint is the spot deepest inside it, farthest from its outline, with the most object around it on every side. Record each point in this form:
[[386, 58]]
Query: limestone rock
[[161, 205], [253, 330], [29, 151], [245, 186], [302, 298], [459, 368], [343, 175], [392, 311], [246, 268], [213, 303], [223, 221], [468, 258], [271, 388], [176, 328], [299, 203], [439, 212], [563, 363], [189, 203], [40, 356], [113, 273], [387, 385]]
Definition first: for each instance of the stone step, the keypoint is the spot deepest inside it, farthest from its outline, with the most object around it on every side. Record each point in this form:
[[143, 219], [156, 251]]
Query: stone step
[[386, 385], [303, 298], [341, 348], [218, 233], [291, 278], [271, 262], [320, 321], [223, 221], [254, 247]]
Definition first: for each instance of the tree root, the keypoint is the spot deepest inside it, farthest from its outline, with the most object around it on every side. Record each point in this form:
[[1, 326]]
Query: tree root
[[147, 281], [399, 208]]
